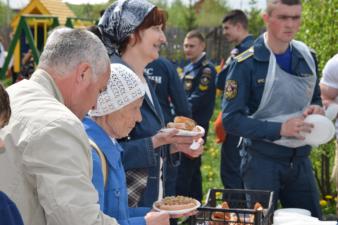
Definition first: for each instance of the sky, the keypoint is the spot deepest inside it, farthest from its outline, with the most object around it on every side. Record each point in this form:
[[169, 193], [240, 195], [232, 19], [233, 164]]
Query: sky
[[238, 4]]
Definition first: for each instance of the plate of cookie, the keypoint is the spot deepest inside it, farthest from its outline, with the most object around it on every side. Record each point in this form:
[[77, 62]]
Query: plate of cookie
[[176, 205]]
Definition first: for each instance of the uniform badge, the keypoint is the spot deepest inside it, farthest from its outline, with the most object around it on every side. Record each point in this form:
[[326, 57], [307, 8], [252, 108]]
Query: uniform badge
[[230, 89], [188, 84], [205, 79]]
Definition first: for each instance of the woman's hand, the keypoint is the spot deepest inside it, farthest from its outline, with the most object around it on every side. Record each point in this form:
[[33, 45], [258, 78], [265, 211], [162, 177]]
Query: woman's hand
[[165, 138], [157, 218], [186, 148]]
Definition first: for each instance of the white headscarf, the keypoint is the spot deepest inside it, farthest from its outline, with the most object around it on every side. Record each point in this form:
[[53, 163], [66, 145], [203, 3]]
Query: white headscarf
[[123, 87]]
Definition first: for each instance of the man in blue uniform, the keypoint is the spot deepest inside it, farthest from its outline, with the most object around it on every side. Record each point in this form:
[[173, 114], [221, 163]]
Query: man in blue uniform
[[199, 85], [235, 30], [269, 91], [173, 101]]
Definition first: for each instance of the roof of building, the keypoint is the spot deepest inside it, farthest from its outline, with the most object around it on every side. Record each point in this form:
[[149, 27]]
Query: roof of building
[[46, 7]]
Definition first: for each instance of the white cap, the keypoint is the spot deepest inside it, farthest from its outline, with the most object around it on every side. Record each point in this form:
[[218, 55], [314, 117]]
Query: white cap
[[123, 87]]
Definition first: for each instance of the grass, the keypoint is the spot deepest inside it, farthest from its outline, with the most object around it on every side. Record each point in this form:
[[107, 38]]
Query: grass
[[211, 157]]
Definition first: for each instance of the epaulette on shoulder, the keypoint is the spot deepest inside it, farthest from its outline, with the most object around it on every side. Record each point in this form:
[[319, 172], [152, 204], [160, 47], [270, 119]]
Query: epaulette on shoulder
[[244, 55]]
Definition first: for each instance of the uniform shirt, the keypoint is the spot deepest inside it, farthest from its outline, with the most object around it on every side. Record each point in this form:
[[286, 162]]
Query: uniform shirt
[[244, 45], [169, 89], [244, 89], [46, 167], [199, 85]]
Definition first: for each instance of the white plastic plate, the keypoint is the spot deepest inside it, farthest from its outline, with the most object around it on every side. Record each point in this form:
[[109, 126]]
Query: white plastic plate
[[186, 133], [322, 132], [292, 210], [177, 212]]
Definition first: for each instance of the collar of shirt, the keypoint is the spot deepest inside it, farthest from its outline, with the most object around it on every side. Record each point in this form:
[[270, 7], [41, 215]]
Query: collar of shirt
[[246, 43], [261, 53], [199, 58]]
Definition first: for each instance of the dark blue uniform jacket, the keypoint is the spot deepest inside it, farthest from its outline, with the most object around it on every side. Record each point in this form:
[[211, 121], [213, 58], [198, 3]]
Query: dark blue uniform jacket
[[250, 77], [244, 45], [168, 88], [199, 85], [138, 148]]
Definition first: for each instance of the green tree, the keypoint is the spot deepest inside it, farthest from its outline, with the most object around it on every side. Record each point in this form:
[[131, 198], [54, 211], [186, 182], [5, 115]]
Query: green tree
[[320, 28], [256, 24], [218, 8], [179, 14], [4, 10], [87, 11], [190, 17]]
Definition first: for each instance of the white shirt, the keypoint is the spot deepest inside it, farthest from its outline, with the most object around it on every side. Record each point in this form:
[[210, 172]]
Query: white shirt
[[330, 77], [330, 73]]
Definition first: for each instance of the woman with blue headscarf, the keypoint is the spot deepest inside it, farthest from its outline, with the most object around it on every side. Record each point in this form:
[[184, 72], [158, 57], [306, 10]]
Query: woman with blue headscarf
[[132, 31]]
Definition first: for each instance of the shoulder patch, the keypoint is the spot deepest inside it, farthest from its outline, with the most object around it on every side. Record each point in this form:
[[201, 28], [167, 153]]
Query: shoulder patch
[[231, 87], [206, 70], [244, 55], [205, 79]]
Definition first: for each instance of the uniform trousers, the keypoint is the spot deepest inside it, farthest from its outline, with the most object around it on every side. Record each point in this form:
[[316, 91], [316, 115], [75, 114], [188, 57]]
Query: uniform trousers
[[291, 179], [189, 179], [230, 163]]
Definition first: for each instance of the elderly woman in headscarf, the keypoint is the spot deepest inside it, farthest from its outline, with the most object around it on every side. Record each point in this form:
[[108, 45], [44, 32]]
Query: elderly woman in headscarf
[[116, 112], [132, 31]]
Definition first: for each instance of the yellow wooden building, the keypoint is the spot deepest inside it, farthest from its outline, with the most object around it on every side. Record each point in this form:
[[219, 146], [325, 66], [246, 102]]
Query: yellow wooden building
[[38, 26]]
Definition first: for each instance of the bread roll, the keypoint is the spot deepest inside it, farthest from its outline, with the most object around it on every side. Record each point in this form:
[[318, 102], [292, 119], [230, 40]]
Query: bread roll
[[183, 123]]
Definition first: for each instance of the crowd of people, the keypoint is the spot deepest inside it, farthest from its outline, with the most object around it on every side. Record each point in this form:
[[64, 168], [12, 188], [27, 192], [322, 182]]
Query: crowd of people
[[81, 140]]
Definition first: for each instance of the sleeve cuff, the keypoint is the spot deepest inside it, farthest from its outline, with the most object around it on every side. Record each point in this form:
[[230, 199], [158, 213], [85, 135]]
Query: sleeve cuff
[[273, 130]]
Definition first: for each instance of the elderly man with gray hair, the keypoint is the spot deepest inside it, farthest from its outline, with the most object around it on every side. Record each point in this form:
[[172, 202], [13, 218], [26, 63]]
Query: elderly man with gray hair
[[46, 165]]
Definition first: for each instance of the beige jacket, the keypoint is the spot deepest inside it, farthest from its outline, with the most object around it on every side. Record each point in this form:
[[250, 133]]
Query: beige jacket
[[46, 167]]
